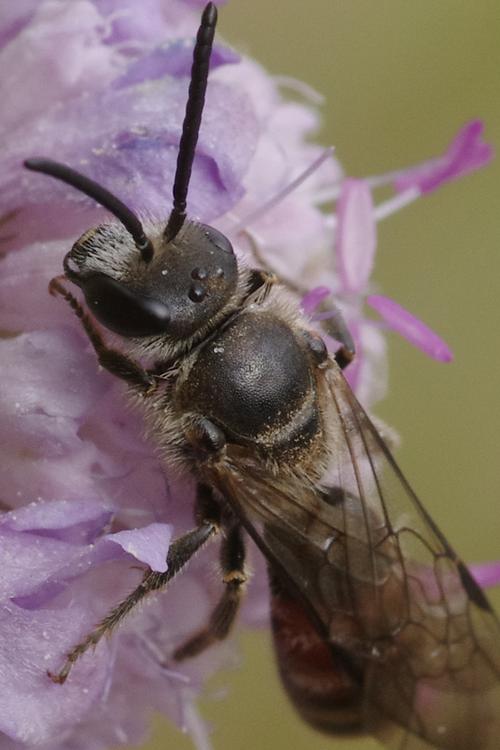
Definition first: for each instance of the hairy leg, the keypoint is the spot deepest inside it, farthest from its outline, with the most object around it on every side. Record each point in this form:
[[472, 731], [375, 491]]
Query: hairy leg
[[111, 359], [219, 624], [179, 553]]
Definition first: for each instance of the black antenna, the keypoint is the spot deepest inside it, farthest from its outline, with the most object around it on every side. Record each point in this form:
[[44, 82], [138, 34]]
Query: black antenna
[[99, 194], [192, 118]]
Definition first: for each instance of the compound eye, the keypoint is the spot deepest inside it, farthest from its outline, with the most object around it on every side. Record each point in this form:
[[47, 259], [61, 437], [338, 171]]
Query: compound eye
[[124, 311], [218, 239]]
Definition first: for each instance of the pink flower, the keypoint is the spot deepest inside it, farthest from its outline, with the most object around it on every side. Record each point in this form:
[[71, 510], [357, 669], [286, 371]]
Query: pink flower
[[486, 574], [465, 154], [88, 501], [355, 243], [355, 248]]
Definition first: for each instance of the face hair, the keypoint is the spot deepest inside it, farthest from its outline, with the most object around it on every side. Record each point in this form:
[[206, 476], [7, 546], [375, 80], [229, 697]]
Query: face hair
[[192, 118], [99, 194]]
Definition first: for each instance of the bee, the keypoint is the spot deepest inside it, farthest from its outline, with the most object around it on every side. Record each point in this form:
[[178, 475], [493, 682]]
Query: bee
[[378, 626]]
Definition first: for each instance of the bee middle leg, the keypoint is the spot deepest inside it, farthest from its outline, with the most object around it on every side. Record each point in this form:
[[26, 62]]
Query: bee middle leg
[[232, 561], [111, 359]]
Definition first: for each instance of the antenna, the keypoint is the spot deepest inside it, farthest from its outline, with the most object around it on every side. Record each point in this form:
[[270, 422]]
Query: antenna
[[192, 118], [99, 194]]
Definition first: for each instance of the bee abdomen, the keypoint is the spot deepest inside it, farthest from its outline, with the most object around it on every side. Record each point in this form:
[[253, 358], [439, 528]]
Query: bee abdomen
[[323, 690]]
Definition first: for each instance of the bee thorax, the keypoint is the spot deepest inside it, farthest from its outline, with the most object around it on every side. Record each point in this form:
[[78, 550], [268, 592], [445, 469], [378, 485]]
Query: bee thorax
[[255, 380]]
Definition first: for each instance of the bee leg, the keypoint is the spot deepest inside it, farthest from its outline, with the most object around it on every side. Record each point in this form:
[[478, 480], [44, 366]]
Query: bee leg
[[111, 359], [5, 219], [179, 553], [316, 346], [337, 328], [343, 356], [335, 325], [232, 558], [260, 284], [205, 439]]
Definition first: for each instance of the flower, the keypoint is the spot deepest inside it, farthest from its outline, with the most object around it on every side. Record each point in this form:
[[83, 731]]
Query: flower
[[87, 503], [355, 247], [486, 574]]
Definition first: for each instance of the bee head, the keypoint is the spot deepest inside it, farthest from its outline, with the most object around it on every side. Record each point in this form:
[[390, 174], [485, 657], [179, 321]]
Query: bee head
[[187, 281], [173, 279]]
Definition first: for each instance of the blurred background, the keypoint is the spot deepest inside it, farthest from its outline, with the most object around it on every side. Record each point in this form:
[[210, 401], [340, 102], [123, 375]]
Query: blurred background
[[399, 80]]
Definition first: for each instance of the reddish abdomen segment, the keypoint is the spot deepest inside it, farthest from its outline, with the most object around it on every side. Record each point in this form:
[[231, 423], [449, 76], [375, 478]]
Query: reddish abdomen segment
[[322, 687]]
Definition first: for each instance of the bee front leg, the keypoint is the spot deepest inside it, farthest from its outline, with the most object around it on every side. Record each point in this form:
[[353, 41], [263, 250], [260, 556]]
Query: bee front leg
[[179, 553], [111, 359], [232, 561]]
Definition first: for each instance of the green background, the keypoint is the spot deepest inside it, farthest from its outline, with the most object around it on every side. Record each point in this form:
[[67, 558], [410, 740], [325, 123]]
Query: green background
[[399, 78]]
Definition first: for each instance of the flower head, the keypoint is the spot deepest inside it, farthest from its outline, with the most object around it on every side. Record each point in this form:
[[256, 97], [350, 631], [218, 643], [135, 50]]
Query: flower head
[[86, 499]]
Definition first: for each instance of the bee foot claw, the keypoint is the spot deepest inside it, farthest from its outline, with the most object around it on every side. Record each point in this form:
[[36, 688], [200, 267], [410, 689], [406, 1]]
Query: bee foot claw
[[59, 678]]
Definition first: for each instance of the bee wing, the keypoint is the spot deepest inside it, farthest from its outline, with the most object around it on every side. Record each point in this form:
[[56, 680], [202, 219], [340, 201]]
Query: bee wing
[[381, 582]]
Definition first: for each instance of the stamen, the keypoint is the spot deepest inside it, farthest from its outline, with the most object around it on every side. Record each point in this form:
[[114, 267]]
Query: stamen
[[282, 194], [300, 87], [390, 206], [194, 724], [389, 178]]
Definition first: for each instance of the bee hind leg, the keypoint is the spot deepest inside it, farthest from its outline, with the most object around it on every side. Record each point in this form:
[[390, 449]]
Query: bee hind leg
[[232, 559], [179, 553]]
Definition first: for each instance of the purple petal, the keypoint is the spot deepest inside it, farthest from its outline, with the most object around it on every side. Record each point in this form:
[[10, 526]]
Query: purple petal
[[73, 440], [173, 59], [356, 237], [14, 18], [45, 544], [53, 516], [38, 80], [149, 22], [466, 153], [486, 574], [148, 545], [202, 3], [31, 268], [411, 328], [33, 709], [47, 359], [312, 299], [73, 522], [28, 561], [134, 151]]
